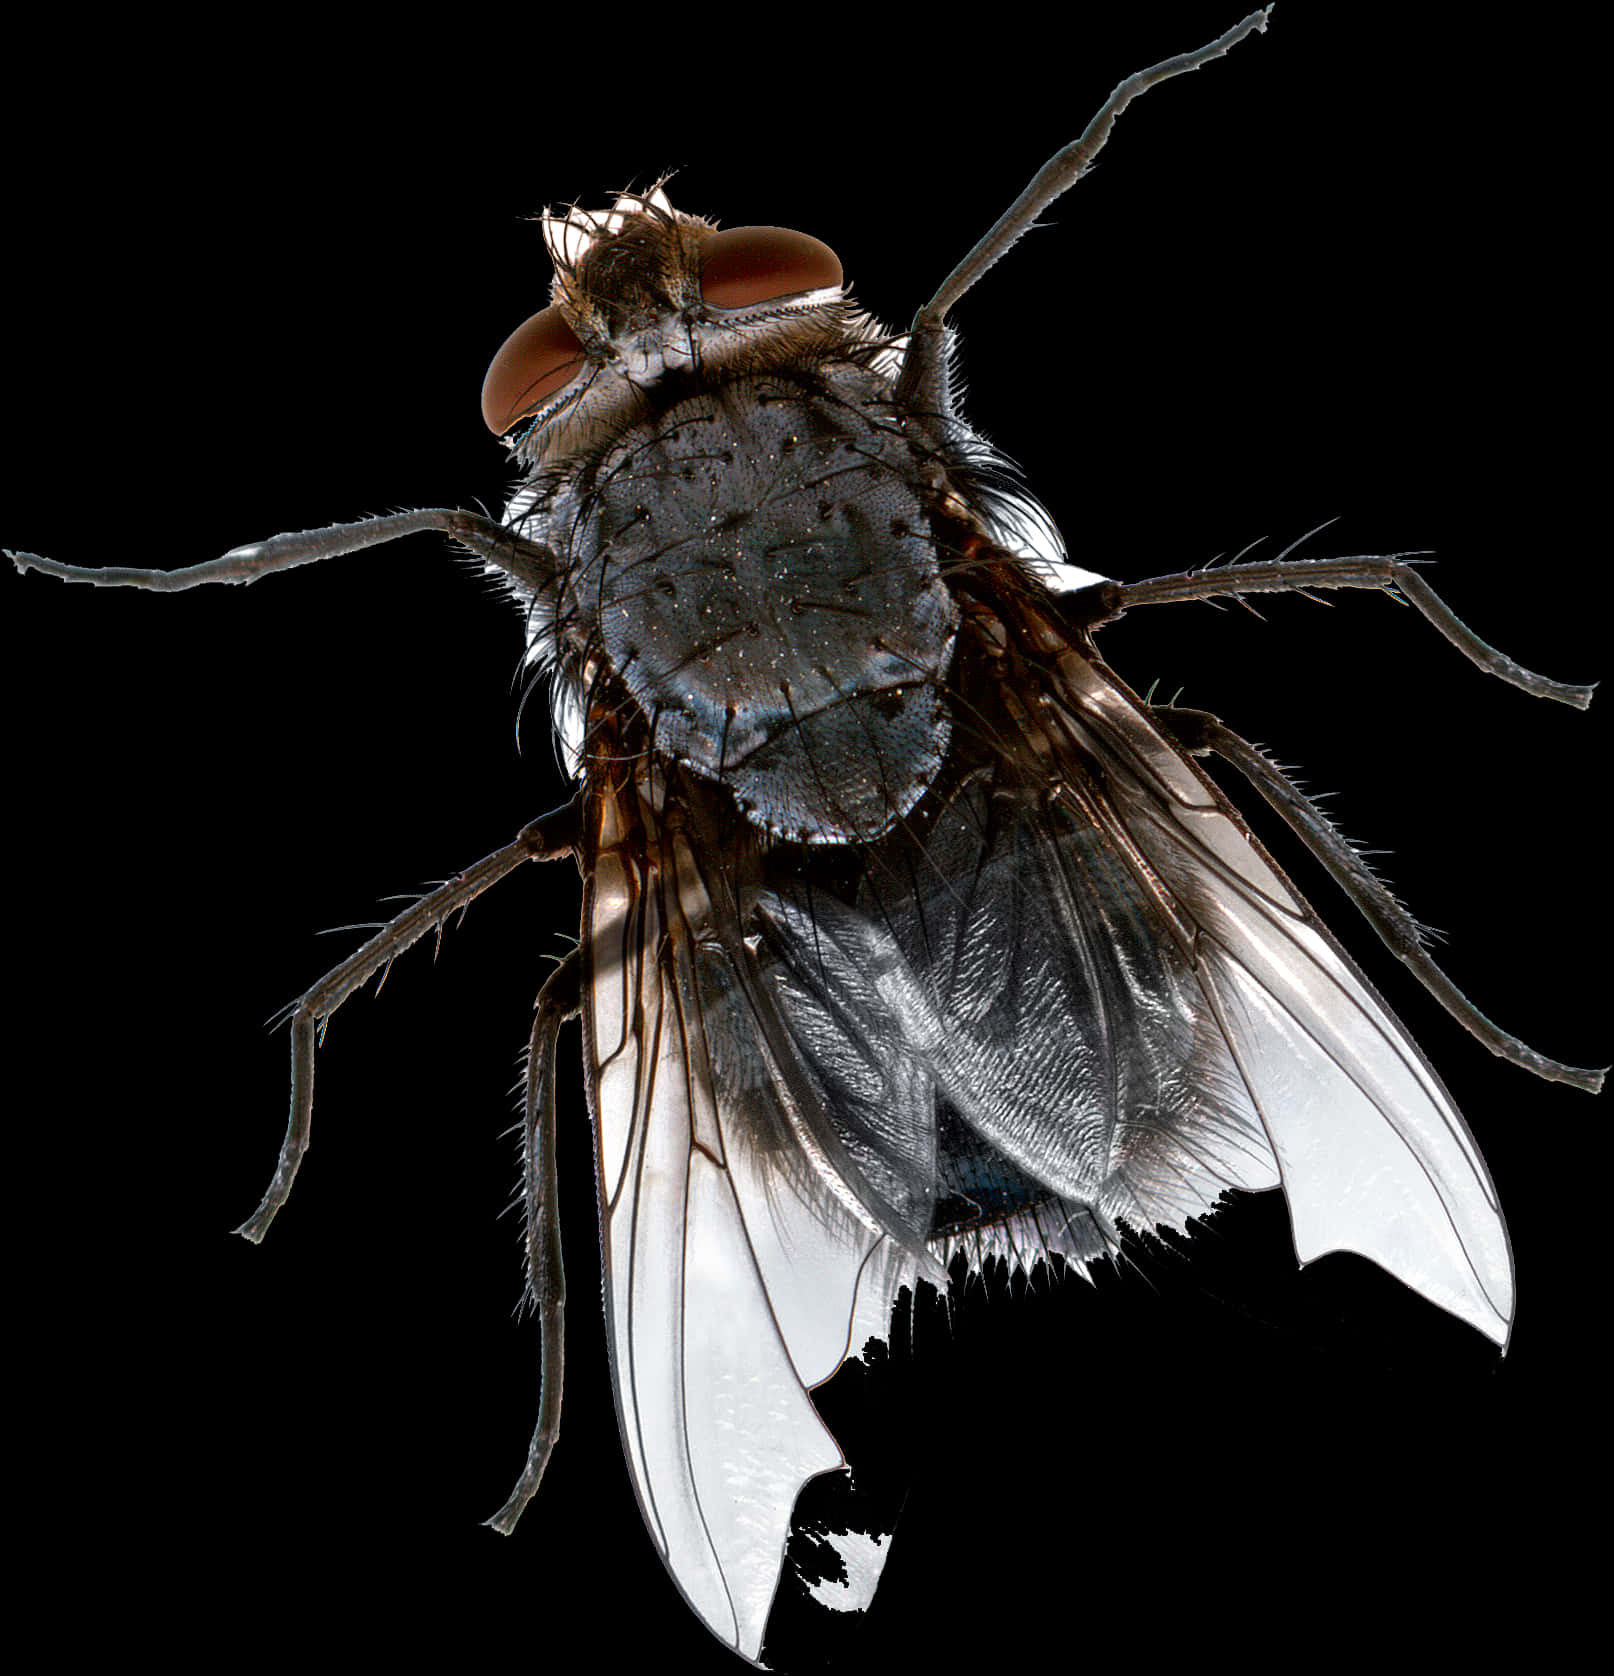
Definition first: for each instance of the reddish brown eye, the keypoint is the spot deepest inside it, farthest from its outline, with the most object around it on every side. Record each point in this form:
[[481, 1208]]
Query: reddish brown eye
[[539, 357], [748, 265]]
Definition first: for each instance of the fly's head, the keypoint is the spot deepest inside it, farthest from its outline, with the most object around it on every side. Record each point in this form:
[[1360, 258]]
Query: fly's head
[[645, 296]]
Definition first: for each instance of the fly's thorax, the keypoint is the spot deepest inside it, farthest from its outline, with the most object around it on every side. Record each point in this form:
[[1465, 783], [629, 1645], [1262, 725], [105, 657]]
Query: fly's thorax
[[756, 566]]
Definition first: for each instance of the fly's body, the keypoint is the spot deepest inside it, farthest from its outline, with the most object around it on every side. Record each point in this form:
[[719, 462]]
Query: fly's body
[[755, 565], [910, 934]]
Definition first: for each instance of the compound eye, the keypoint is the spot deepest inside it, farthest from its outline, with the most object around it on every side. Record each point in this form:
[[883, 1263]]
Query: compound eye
[[541, 356], [744, 266]]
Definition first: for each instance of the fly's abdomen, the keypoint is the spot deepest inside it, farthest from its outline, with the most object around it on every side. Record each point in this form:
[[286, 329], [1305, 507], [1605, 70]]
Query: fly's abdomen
[[756, 566]]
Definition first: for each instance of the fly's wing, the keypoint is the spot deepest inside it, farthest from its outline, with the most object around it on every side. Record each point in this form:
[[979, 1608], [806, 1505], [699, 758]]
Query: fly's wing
[[732, 1282], [1112, 1004], [1372, 1155]]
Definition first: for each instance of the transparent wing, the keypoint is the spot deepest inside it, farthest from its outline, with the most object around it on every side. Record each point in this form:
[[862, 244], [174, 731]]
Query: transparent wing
[[1110, 1007], [1372, 1155], [732, 1283]]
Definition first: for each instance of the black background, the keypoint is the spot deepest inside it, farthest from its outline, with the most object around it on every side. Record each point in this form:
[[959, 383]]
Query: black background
[[1339, 275]]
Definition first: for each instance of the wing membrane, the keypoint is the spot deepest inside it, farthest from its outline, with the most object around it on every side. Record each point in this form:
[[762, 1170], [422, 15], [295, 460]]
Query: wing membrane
[[1373, 1156], [731, 1287], [1080, 974]]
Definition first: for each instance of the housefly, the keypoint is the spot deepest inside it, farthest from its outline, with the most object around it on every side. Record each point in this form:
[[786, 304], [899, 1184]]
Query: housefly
[[911, 935]]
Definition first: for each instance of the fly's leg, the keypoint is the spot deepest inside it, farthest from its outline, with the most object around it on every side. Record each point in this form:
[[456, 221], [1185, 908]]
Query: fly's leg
[[1200, 733], [544, 840], [1389, 573], [923, 381], [524, 561], [558, 1001]]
